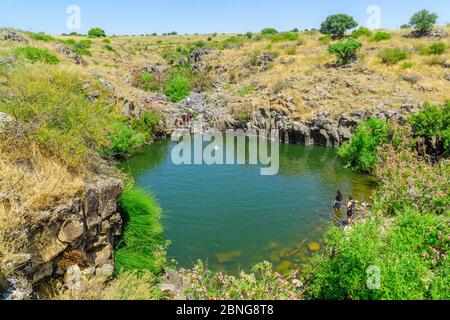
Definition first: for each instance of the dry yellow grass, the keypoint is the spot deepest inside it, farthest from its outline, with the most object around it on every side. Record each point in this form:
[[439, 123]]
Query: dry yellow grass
[[30, 185]]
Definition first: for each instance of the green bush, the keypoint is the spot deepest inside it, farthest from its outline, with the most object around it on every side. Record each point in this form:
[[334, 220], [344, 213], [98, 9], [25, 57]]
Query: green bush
[[433, 121], [267, 31], [345, 50], [149, 82], [409, 252], [336, 25], [380, 36], [37, 55], [109, 48], [436, 48], [361, 32], [407, 65], [423, 21], [41, 37], [140, 247], [148, 123], [124, 140], [80, 47], [246, 91], [392, 56], [177, 88], [408, 181], [326, 39], [97, 33], [361, 151], [51, 103]]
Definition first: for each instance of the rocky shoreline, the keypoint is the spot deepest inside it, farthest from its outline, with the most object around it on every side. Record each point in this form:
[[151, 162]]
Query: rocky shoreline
[[80, 233]]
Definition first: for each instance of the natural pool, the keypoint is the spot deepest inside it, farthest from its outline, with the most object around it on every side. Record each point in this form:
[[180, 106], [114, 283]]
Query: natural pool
[[234, 217]]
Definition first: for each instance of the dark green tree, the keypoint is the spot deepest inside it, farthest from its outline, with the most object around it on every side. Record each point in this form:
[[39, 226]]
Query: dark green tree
[[336, 25], [97, 33], [423, 20]]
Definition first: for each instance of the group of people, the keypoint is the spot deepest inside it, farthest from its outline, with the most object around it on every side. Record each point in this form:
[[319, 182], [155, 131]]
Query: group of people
[[350, 206], [184, 121]]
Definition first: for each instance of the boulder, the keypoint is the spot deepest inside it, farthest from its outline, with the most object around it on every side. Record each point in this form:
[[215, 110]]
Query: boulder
[[71, 230], [18, 289], [72, 278], [173, 285], [13, 36], [93, 95], [70, 53], [436, 34]]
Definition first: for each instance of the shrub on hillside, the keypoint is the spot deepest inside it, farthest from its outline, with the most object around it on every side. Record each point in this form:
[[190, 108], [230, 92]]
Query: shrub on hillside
[[423, 21], [404, 258], [149, 82], [124, 140], [362, 31], [51, 109], [266, 31], [336, 25], [433, 121], [345, 50], [407, 181], [41, 37], [436, 48], [97, 33], [392, 56], [361, 151], [37, 55], [380, 36], [148, 123], [177, 88], [326, 39]]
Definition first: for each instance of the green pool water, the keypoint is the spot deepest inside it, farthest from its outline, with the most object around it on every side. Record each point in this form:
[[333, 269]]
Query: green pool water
[[233, 217]]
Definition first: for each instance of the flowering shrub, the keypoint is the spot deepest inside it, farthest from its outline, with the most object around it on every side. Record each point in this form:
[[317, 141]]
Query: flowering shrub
[[261, 284], [408, 256], [407, 181]]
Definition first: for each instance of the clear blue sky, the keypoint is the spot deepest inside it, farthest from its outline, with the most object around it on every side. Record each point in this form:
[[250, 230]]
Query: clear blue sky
[[204, 16]]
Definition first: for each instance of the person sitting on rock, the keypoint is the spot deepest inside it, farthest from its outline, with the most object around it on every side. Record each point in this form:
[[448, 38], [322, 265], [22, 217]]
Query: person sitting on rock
[[351, 209]]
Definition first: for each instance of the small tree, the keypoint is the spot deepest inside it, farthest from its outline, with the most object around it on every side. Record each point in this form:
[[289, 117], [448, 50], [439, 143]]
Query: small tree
[[97, 33], [423, 21], [336, 25], [269, 31], [345, 50]]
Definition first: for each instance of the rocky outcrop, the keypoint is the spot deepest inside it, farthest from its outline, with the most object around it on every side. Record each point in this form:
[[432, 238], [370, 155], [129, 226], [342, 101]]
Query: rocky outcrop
[[196, 58], [81, 232], [69, 53], [13, 36], [435, 34], [322, 129]]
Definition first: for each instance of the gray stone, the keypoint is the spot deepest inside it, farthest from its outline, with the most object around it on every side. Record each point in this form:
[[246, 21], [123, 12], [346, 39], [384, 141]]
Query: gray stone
[[71, 231], [13, 36], [93, 95], [72, 278], [4, 119], [42, 271], [18, 289], [70, 53]]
